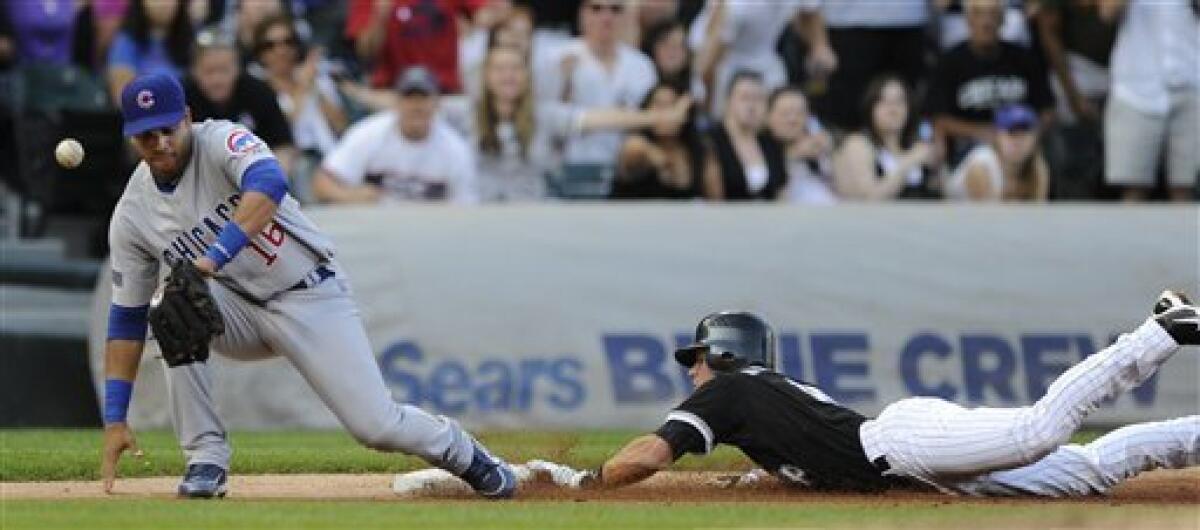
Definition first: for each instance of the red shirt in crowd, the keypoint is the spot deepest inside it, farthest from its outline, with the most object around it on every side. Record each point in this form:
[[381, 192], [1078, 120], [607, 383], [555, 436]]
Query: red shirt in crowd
[[421, 32]]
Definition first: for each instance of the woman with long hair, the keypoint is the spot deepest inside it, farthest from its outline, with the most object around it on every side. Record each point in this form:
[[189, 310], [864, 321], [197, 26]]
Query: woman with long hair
[[514, 135], [156, 36], [890, 158], [667, 161], [307, 96], [665, 43], [1009, 168]]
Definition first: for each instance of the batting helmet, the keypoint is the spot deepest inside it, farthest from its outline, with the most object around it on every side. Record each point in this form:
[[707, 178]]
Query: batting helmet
[[731, 340]]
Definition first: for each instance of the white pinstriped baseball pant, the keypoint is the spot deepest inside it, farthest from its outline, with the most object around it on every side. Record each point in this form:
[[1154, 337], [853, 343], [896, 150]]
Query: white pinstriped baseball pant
[[990, 451]]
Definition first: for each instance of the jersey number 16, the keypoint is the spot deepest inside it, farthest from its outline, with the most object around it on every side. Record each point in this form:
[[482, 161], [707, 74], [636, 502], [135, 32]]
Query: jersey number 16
[[274, 235]]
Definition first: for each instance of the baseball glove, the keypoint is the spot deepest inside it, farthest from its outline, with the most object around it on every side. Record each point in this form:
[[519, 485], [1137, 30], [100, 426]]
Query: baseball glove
[[185, 317]]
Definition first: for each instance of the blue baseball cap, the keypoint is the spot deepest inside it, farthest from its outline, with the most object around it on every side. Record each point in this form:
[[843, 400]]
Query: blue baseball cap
[[1015, 117], [152, 101]]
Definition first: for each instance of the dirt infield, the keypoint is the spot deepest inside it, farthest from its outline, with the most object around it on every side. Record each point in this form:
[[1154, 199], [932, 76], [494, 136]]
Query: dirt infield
[[1161, 487]]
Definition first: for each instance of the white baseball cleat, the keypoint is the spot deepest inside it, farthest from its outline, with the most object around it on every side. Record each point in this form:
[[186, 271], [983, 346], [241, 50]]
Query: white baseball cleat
[[428, 482]]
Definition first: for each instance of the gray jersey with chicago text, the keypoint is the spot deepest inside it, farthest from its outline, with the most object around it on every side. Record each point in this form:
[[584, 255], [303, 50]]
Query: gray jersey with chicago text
[[317, 327], [152, 226]]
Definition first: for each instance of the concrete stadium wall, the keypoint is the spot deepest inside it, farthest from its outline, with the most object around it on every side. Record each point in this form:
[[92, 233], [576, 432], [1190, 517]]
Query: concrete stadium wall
[[565, 315]]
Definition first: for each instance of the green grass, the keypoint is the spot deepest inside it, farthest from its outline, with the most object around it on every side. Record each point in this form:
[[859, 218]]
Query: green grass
[[232, 514], [28, 455]]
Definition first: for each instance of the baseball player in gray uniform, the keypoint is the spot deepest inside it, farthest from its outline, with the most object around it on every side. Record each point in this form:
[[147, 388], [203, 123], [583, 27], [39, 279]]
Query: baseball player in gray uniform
[[213, 194]]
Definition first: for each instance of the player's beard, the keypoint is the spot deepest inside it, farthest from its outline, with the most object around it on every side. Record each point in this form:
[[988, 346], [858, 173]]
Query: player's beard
[[168, 167]]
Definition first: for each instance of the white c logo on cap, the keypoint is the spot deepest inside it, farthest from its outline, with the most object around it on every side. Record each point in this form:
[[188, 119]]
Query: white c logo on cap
[[145, 99]]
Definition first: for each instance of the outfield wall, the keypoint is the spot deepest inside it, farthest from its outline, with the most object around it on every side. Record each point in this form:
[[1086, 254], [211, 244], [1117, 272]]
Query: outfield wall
[[566, 315]]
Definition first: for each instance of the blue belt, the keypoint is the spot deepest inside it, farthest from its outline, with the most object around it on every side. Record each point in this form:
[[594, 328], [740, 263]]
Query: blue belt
[[313, 279]]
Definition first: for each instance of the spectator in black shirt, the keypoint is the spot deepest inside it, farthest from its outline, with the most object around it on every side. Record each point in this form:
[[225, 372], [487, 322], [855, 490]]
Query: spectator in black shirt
[[981, 75], [666, 161], [752, 161], [219, 88], [804, 438], [1077, 44]]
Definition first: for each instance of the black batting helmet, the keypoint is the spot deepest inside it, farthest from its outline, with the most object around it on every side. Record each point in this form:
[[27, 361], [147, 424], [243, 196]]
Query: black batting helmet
[[731, 340]]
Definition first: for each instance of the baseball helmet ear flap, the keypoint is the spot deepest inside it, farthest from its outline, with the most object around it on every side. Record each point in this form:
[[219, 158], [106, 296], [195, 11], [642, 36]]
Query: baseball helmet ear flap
[[731, 340], [724, 361]]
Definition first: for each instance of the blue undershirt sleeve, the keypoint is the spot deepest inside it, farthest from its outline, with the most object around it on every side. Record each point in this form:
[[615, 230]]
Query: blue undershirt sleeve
[[266, 176], [127, 323]]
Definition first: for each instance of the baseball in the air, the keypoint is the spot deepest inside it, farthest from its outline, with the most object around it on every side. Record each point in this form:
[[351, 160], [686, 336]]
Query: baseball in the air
[[69, 153]]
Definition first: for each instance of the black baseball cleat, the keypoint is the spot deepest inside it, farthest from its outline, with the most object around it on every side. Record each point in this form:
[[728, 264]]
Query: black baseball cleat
[[203, 481], [489, 476], [1169, 299], [1182, 323]]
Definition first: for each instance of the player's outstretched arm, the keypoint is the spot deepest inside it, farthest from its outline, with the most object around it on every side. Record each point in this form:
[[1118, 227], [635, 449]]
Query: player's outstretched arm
[[639, 460], [121, 359]]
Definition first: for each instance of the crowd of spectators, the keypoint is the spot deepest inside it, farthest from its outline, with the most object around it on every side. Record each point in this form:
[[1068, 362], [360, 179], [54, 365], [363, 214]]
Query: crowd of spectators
[[802, 101]]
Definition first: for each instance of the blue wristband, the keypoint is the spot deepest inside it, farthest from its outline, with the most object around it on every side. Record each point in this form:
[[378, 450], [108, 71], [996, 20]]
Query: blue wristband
[[229, 242], [117, 393]]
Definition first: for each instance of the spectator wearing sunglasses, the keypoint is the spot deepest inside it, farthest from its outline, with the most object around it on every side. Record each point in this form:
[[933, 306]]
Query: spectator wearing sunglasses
[[306, 93], [597, 71]]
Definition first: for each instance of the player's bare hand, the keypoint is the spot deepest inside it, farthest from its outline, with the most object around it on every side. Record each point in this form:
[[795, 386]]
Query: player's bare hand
[[205, 265], [118, 438]]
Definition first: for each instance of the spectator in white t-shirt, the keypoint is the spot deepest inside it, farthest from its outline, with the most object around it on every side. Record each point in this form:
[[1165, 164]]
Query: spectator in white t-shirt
[[1009, 168], [1155, 98], [400, 155], [595, 71], [740, 36]]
